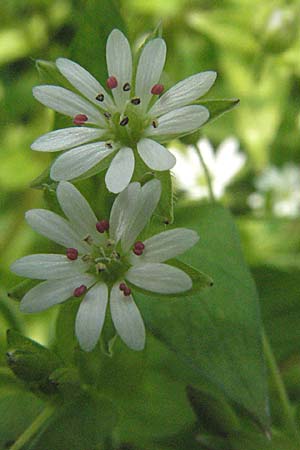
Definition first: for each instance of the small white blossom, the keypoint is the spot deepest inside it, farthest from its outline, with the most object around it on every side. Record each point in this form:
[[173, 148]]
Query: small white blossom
[[282, 187], [222, 165], [102, 257], [134, 120]]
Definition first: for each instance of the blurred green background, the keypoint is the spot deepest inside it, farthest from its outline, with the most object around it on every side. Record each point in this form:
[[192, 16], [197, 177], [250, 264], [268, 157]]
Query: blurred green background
[[254, 46]]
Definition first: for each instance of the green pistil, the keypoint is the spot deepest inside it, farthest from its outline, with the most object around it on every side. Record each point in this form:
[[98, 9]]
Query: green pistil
[[129, 127]]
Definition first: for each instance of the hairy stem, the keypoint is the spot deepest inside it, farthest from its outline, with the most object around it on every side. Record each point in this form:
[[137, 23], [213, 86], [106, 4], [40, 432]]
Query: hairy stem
[[33, 429], [278, 384], [207, 175]]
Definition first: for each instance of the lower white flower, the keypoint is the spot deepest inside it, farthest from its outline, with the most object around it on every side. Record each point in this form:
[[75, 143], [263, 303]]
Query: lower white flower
[[279, 188], [222, 165], [104, 260]]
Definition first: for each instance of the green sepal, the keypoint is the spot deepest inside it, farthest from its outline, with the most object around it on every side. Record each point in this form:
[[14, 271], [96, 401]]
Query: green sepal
[[50, 74], [42, 180], [200, 281], [218, 107], [214, 414], [66, 380], [19, 290], [30, 361]]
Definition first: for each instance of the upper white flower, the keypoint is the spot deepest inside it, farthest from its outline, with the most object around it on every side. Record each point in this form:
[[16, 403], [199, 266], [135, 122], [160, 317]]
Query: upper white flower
[[222, 165], [102, 257], [282, 187], [134, 120]]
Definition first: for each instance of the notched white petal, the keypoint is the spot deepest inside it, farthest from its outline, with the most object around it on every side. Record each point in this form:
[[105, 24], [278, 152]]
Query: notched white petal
[[52, 292], [150, 66], [160, 278], [66, 138], [127, 319], [166, 245], [120, 171], [90, 316], [67, 102], [79, 160], [183, 93], [84, 82], [145, 205], [155, 156], [44, 266], [55, 228], [180, 121], [77, 210]]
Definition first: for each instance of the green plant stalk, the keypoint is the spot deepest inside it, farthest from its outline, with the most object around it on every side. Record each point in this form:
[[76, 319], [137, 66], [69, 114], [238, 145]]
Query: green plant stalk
[[34, 428], [207, 175], [288, 417]]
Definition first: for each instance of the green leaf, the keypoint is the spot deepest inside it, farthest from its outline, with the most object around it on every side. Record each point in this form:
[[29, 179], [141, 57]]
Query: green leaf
[[217, 334], [30, 361], [80, 425], [50, 74]]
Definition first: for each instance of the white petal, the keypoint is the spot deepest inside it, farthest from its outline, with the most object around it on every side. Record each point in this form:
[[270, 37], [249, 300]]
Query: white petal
[[51, 292], [122, 210], [127, 319], [90, 316], [79, 160], [179, 121], [146, 203], [166, 245], [150, 66], [119, 64], [66, 102], [82, 80], [65, 138], [160, 278], [120, 171], [46, 266], [77, 210], [55, 228], [183, 93], [155, 156]]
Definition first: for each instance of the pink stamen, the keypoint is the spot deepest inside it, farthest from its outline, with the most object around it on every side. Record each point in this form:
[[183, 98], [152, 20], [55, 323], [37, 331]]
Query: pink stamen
[[102, 225], [72, 253], [79, 291], [157, 89], [122, 287], [111, 82], [80, 119], [127, 291], [138, 248]]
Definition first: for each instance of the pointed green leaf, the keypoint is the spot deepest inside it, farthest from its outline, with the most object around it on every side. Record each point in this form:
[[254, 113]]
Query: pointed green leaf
[[217, 333]]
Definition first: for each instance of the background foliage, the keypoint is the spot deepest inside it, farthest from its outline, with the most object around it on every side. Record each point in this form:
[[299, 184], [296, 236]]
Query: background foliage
[[201, 382]]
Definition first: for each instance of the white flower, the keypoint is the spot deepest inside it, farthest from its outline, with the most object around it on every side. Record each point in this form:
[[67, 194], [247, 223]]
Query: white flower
[[132, 121], [282, 187], [222, 165], [102, 257]]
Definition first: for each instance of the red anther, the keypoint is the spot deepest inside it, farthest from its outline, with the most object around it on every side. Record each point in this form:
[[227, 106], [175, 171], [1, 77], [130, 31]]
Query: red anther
[[138, 251], [79, 291], [80, 119], [72, 253], [127, 291], [111, 82], [139, 245], [157, 89], [122, 287], [102, 225]]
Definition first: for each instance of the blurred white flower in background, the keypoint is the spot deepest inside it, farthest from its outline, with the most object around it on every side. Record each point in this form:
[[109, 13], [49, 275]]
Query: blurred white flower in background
[[278, 189], [222, 164]]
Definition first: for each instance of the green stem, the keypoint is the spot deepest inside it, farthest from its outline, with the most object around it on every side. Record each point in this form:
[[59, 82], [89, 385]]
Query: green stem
[[33, 429], [207, 175], [277, 382]]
